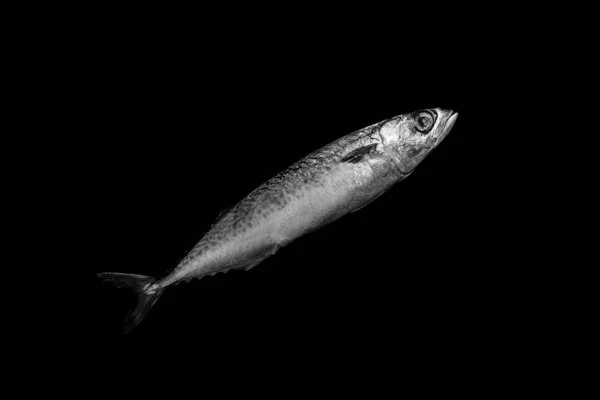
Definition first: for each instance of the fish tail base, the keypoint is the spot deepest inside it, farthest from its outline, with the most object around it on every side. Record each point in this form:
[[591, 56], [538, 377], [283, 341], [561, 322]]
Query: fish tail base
[[147, 294]]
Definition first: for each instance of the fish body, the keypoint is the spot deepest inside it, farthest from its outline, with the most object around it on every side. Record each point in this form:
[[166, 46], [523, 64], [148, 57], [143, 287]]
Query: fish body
[[335, 180]]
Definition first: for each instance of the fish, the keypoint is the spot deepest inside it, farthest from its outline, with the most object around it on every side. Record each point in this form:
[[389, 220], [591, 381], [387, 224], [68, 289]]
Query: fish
[[339, 178]]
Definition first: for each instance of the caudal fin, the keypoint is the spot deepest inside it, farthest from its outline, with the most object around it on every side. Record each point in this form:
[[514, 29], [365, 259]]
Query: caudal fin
[[140, 285]]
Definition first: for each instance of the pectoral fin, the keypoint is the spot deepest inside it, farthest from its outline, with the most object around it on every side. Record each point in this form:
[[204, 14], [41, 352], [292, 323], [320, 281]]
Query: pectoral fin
[[358, 155]]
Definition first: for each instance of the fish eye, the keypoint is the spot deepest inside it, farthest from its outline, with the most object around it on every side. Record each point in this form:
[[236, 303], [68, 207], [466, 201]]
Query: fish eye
[[424, 121]]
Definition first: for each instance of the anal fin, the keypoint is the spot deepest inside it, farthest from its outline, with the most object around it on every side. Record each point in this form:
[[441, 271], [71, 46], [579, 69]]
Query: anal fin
[[258, 256], [252, 265]]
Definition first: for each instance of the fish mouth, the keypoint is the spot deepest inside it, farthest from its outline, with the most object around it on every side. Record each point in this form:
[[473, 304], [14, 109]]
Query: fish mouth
[[450, 119]]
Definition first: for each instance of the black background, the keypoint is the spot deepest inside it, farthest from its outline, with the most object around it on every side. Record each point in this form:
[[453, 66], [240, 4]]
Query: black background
[[171, 123], [166, 155], [139, 125]]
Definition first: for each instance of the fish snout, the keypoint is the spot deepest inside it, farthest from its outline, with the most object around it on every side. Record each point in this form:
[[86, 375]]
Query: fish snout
[[447, 120]]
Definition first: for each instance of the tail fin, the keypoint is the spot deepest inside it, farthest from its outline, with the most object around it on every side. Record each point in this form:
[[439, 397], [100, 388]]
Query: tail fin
[[139, 284]]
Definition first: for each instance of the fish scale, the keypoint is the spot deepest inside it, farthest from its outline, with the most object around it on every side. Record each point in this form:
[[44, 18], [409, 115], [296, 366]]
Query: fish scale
[[335, 180], [285, 189]]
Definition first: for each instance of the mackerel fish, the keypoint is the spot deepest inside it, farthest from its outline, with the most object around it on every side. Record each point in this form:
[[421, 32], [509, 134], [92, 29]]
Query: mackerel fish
[[337, 179]]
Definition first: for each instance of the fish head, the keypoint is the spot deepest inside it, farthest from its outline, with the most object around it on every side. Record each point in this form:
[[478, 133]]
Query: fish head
[[409, 138]]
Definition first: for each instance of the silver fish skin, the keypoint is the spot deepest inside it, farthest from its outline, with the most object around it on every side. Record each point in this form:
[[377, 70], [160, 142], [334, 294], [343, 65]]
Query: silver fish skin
[[339, 178], [335, 180]]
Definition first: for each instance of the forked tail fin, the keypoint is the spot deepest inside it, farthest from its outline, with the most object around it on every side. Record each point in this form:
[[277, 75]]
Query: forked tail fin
[[139, 284]]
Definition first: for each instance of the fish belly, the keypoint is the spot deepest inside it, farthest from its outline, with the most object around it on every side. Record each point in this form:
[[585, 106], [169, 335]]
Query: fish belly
[[320, 204], [312, 206]]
